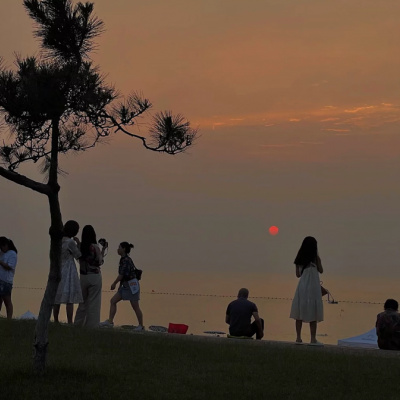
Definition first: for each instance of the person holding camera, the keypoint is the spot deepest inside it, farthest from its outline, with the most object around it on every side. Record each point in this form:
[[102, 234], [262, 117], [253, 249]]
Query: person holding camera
[[90, 262], [126, 272]]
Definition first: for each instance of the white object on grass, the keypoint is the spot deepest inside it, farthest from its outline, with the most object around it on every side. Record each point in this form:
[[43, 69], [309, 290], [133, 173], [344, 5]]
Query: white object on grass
[[367, 340], [28, 315]]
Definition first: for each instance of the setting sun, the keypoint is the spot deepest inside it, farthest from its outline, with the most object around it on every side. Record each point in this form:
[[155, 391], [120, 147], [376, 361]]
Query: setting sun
[[273, 230]]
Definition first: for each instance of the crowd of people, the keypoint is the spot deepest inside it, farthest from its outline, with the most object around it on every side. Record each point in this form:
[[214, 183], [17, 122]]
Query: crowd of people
[[84, 288], [307, 306], [241, 314], [307, 303]]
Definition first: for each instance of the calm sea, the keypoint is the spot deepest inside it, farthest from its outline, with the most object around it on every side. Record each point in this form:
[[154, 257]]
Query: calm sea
[[200, 302]]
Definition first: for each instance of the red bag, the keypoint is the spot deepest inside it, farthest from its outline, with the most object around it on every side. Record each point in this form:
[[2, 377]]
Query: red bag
[[177, 328]]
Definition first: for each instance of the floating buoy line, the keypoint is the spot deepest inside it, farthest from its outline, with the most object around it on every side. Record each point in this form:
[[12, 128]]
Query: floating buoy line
[[330, 300]]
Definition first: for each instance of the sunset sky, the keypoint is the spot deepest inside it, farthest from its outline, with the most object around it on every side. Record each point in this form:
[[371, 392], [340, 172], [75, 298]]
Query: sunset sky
[[298, 109]]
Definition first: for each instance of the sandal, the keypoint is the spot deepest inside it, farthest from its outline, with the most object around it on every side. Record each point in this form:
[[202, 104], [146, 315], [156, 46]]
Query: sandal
[[316, 343]]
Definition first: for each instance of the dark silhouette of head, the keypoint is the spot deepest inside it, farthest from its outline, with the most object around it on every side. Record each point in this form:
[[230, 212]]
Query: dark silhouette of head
[[71, 228], [7, 244], [391, 304], [308, 252], [88, 238], [243, 292], [127, 247]]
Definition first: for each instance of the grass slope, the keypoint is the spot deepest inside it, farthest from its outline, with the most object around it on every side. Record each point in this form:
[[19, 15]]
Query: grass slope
[[106, 363]]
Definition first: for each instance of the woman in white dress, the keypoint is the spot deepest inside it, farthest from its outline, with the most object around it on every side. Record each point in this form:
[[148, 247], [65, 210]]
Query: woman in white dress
[[69, 290], [307, 303]]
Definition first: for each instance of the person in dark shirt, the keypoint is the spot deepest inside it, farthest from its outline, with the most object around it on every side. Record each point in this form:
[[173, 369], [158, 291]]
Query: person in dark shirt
[[388, 326], [238, 316], [126, 272]]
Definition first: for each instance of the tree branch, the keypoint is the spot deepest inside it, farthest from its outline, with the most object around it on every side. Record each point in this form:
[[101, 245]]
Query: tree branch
[[24, 181], [119, 127]]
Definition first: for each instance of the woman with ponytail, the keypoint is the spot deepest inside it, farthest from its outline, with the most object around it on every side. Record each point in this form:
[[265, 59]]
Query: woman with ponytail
[[126, 272]]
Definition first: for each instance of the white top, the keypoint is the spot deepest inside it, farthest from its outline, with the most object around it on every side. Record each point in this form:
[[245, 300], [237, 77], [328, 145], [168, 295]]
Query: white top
[[69, 247], [10, 258], [69, 289]]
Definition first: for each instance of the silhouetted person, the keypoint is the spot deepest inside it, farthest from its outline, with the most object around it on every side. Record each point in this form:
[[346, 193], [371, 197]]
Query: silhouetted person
[[388, 326], [126, 272], [307, 303], [8, 263], [69, 290], [90, 262], [239, 314]]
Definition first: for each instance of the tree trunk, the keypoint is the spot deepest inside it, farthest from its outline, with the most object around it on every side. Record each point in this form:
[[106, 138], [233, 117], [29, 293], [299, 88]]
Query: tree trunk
[[42, 325]]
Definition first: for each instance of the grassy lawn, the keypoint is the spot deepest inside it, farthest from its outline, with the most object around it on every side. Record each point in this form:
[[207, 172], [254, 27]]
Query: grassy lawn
[[106, 363]]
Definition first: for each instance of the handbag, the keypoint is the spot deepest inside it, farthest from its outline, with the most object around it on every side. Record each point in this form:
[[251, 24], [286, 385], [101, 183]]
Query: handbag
[[133, 285], [138, 273]]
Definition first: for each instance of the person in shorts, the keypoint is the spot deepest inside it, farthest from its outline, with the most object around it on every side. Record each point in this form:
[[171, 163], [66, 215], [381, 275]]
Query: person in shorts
[[239, 314], [126, 272], [8, 263]]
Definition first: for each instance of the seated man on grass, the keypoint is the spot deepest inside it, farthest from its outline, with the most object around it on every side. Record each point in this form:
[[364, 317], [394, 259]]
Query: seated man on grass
[[388, 326], [238, 316]]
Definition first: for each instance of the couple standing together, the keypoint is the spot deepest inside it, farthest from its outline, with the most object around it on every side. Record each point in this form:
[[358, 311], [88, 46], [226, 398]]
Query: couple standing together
[[86, 290], [307, 303]]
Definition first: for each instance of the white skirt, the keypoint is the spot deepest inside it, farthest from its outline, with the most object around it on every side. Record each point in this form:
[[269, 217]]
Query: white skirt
[[307, 304]]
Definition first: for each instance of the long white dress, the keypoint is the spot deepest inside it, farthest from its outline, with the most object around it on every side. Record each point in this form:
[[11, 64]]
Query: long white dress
[[307, 303], [69, 289]]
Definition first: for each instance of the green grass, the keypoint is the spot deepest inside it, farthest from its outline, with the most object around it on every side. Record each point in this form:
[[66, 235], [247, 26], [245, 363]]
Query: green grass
[[114, 364]]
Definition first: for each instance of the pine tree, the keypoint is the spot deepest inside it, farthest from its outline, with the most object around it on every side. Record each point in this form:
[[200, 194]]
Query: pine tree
[[58, 103]]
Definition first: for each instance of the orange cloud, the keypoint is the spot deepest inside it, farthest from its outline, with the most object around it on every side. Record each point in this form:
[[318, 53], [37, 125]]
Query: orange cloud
[[358, 109], [336, 130], [329, 119]]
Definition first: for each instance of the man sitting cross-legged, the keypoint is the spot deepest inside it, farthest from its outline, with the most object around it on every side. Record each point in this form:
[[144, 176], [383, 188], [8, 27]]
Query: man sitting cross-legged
[[238, 316]]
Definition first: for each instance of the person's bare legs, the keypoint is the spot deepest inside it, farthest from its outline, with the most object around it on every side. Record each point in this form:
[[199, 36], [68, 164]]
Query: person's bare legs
[[138, 311], [70, 312], [56, 312], [113, 306], [313, 331], [9, 306], [299, 324]]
